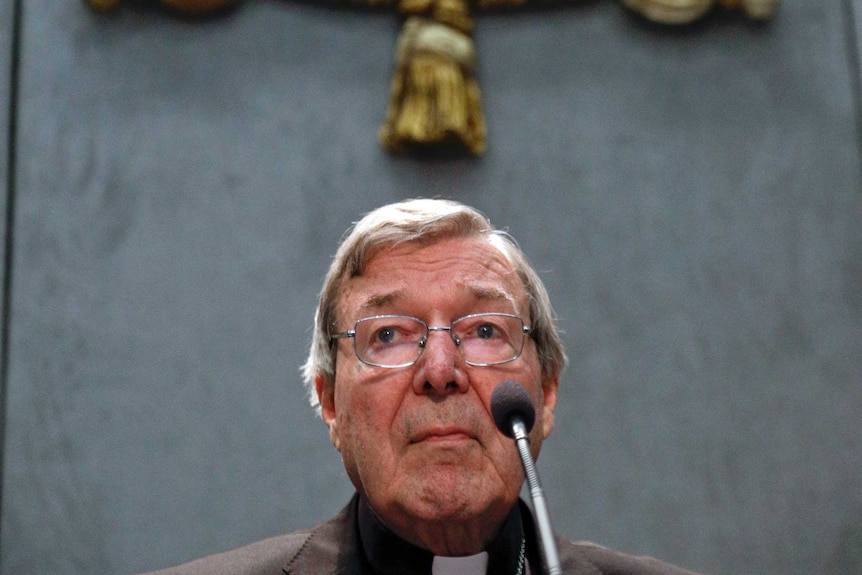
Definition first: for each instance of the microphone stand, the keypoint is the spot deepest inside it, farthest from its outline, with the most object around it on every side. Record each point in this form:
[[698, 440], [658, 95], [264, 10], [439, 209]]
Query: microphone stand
[[540, 508]]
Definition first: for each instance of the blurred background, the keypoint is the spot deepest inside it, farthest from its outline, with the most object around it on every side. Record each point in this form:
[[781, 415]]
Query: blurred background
[[175, 188]]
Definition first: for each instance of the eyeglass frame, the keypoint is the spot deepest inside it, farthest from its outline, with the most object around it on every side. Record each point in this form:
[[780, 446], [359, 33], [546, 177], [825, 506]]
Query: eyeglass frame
[[351, 333]]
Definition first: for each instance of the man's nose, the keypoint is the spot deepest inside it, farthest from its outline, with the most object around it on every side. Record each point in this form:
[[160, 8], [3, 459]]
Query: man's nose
[[441, 365]]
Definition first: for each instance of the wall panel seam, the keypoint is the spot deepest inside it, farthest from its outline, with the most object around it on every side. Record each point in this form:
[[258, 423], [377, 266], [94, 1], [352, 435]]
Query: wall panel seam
[[8, 251]]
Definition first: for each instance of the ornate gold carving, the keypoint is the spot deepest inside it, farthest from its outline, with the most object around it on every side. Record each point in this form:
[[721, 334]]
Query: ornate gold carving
[[434, 98], [687, 11]]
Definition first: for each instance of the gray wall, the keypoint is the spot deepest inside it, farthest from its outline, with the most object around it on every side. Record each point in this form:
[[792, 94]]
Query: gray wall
[[692, 199]]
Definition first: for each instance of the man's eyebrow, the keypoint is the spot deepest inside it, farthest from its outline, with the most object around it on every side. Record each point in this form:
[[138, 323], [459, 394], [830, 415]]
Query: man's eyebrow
[[483, 293], [486, 292], [492, 293], [376, 301]]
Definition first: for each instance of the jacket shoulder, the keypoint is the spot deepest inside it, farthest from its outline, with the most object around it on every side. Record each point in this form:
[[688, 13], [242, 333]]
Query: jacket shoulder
[[266, 557], [584, 558], [309, 551]]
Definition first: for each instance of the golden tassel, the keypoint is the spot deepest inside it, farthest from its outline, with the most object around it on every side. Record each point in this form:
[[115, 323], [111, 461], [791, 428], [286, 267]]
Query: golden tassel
[[434, 99]]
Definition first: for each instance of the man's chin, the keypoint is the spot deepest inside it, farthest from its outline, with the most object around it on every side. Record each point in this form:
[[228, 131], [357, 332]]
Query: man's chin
[[455, 495]]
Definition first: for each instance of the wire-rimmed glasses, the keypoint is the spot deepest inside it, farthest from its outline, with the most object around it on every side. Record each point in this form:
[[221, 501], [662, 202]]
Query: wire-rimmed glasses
[[398, 340]]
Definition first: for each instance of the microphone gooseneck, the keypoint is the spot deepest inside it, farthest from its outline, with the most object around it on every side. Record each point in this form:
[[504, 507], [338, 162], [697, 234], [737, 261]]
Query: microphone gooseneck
[[515, 415]]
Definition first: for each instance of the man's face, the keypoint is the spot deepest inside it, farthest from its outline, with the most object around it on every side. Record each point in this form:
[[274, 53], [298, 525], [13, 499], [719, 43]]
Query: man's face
[[419, 442]]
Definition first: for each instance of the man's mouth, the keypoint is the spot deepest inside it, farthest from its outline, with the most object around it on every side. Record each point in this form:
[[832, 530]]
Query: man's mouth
[[446, 433]]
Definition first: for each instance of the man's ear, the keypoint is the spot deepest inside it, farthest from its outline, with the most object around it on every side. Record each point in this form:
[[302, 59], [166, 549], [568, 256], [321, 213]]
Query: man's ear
[[549, 402], [326, 398]]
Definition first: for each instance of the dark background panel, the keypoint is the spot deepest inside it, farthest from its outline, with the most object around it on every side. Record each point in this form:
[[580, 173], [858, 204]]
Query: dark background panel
[[691, 197]]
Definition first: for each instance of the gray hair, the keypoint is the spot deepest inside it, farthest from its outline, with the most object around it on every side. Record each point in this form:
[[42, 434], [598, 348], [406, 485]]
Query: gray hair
[[422, 221]]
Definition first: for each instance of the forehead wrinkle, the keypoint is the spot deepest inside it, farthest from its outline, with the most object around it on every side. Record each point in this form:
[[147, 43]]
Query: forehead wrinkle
[[481, 293], [479, 289]]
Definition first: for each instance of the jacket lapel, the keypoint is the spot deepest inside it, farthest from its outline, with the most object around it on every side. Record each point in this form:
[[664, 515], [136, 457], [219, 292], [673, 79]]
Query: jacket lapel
[[330, 548]]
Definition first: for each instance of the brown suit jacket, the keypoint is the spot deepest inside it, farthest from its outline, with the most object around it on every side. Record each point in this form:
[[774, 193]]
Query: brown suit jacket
[[333, 548]]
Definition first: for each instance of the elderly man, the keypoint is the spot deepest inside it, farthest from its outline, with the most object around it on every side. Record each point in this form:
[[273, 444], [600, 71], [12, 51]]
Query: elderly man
[[425, 310]]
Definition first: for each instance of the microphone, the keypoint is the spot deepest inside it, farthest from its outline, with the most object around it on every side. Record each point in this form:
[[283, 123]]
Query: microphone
[[515, 415]]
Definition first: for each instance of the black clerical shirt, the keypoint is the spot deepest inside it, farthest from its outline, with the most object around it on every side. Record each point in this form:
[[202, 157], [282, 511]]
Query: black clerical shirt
[[387, 554]]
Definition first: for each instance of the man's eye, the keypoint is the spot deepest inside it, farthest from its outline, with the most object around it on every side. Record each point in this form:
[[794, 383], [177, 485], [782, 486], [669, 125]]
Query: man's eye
[[386, 335], [486, 331]]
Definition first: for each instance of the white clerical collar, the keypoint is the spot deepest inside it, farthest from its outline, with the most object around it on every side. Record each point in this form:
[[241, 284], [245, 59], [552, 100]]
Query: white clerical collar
[[470, 565]]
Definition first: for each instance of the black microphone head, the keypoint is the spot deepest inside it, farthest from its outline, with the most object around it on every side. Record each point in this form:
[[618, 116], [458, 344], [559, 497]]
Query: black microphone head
[[509, 400]]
